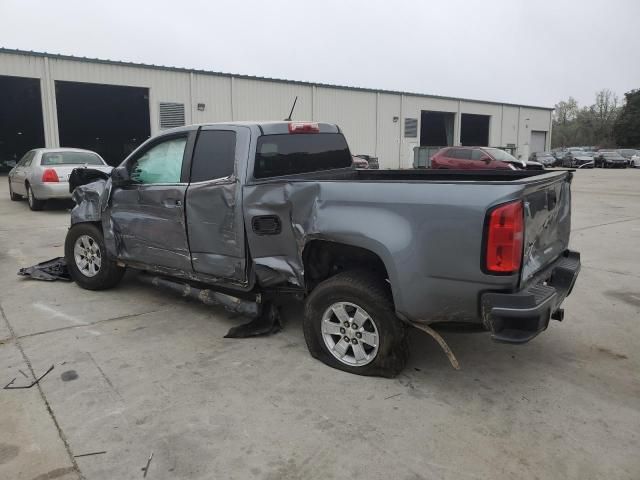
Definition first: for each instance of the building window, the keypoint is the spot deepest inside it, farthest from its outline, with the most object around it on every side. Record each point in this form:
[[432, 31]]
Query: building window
[[171, 115]]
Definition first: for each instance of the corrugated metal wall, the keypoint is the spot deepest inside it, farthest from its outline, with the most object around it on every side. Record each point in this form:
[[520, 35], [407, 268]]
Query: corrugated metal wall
[[354, 112], [260, 100], [372, 121]]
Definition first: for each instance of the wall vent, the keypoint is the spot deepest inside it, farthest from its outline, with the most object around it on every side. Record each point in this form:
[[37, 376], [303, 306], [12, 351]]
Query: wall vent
[[411, 127], [171, 115]]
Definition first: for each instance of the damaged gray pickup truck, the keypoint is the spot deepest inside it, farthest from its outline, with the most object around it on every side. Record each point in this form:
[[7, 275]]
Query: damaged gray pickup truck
[[254, 211]]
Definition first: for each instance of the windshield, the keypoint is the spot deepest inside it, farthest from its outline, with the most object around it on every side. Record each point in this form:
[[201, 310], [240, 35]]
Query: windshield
[[611, 155], [70, 158], [290, 154], [501, 155]]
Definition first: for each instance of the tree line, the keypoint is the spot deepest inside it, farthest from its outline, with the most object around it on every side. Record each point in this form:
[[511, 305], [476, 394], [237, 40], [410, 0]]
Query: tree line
[[606, 123]]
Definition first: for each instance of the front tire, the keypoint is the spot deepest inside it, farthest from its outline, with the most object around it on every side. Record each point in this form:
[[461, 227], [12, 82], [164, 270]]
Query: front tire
[[34, 203], [87, 259], [350, 324]]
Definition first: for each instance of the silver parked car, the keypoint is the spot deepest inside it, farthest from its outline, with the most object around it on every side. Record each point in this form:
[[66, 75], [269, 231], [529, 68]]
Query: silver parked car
[[43, 173]]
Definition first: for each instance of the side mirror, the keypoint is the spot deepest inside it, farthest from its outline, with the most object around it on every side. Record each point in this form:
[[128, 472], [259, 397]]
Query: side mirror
[[486, 159], [120, 176]]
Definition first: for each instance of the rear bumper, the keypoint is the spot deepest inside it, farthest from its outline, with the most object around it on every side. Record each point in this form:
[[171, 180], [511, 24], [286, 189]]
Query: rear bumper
[[519, 317], [45, 191]]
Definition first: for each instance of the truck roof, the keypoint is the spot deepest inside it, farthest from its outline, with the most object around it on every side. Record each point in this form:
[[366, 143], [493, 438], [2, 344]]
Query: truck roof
[[272, 127]]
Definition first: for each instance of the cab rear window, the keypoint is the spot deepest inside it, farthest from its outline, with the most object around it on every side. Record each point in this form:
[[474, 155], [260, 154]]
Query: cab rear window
[[289, 154]]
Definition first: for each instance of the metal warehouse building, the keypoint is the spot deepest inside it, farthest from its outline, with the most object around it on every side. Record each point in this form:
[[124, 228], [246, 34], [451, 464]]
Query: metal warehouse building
[[111, 107]]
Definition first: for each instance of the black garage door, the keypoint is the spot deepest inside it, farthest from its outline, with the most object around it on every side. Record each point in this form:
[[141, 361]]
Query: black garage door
[[111, 120], [21, 125]]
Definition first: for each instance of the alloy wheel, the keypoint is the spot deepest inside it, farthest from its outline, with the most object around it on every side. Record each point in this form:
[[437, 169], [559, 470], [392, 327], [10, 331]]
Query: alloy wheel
[[87, 255], [350, 334]]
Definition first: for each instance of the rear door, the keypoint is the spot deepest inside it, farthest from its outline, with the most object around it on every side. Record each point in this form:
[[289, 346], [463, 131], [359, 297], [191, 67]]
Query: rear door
[[463, 158], [478, 161], [214, 203], [452, 158], [19, 175], [538, 141], [147, 217], [547, 212]]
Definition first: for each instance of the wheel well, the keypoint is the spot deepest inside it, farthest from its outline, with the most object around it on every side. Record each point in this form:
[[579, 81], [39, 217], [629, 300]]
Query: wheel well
[[98, 224], [323, 259]]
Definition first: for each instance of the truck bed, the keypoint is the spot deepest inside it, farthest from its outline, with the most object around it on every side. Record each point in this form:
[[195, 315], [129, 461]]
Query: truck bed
[[425, 225], [419, 175]]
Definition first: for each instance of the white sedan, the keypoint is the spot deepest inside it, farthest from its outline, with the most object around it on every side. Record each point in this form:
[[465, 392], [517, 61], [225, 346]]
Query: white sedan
[[43, 173], [635, 160]]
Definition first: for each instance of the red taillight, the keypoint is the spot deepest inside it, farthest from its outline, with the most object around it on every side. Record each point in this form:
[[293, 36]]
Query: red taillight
[[505, 236], [303, 127], [50, 175]]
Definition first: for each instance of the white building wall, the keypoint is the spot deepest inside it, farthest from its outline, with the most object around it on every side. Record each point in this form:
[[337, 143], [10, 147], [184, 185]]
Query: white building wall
[[366, 117], [388, 131], [21, 66], [263, 100], [354, 112], [531, 119], [509, 125], [215, 93]]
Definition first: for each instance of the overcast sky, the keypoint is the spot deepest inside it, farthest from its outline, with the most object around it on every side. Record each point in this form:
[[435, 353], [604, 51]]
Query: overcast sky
[[530, 52]]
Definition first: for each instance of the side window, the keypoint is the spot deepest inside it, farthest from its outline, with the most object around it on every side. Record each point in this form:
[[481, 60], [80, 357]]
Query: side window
[[29, 160], [452, 153], [162, 163], [25, 161], [477, 154], [461, 153], [214, 155]]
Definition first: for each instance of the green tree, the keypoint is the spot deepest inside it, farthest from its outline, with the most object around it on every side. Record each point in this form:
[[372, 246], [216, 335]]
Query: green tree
[[593, 125], [626, 129], [565, 112], [605, 111]]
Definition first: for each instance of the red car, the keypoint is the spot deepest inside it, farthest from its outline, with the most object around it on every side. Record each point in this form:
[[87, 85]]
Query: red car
[[475, 158]]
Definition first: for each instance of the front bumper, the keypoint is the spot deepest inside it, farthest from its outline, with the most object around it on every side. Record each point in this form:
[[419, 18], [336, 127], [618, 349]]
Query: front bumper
[[518, 317], [616, 164]]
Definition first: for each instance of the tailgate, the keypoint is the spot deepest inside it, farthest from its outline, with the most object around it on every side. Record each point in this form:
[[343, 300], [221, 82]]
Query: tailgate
[[547, 212]]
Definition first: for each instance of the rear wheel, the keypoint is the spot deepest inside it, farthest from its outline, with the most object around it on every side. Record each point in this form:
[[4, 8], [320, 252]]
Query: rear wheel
[[350, 324], [34, 203], [14, 196], [87, 259]]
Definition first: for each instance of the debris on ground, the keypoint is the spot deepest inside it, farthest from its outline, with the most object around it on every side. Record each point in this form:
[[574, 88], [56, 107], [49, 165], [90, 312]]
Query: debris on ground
[[90, 454], [49, 271], [9, 386], [267, 323], [145, 469], [438, 338]]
